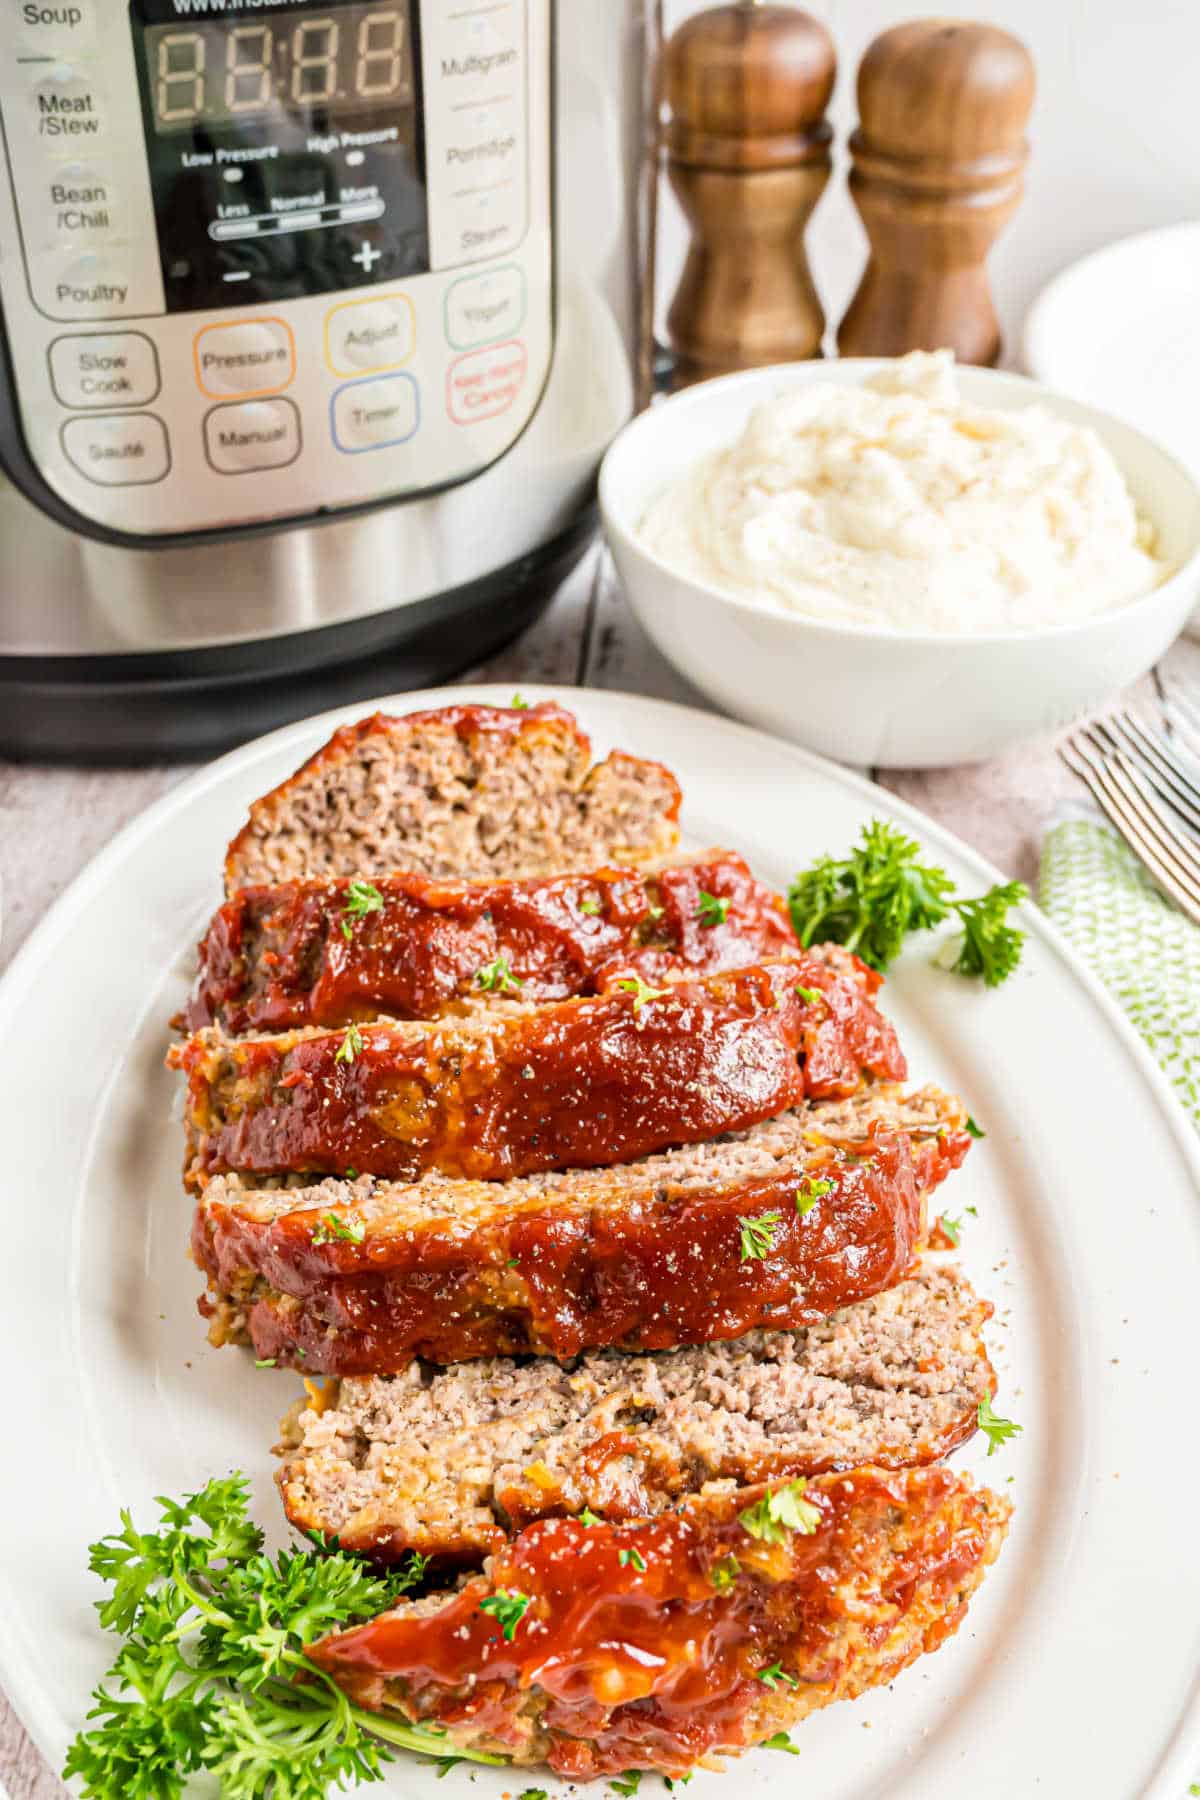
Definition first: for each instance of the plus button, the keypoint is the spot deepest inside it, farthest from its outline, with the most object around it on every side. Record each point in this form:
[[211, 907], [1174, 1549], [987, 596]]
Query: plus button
[[367, 257]]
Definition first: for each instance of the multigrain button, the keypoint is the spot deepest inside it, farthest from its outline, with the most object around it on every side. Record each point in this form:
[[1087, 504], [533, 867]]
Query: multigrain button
[[365, 336], [370, 415], [114, 368], [252, 434], [248, 357], [481, 309], [118, 449]]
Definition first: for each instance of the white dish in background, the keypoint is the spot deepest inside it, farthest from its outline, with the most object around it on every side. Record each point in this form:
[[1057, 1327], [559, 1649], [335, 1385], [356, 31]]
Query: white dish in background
[[876, 695], [1075, 1672], [1118, 329]]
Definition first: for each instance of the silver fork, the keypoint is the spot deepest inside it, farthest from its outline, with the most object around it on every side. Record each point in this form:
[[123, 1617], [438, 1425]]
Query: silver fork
[[1148, 784]]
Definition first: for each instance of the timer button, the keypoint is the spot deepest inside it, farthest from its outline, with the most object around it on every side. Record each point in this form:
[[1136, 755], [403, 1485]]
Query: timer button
[[116, 368], [246, 357], [118, 449], [365, 336], [253, 434], [371, 415]]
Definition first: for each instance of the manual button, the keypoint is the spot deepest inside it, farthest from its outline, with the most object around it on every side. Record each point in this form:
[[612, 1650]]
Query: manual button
[[118, 449], [252, 434], [115, 368]]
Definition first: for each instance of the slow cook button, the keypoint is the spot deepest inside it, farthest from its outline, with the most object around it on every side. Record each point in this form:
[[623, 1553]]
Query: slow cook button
[[118, 449], [370, 415], [114, 368], [482, 308], [365, 336], [246, 357], [485, 382], [252, 434]]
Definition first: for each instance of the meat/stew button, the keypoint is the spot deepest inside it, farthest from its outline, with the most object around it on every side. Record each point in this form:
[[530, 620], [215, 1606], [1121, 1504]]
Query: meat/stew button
[[486, 382]]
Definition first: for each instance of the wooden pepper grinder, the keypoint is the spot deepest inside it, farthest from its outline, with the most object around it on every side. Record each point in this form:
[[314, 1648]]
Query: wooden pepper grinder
[[748, 158], [938, 159]]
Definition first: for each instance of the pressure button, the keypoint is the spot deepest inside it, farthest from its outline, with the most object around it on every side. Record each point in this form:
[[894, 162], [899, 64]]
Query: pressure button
[[246, 357], [115, 368]]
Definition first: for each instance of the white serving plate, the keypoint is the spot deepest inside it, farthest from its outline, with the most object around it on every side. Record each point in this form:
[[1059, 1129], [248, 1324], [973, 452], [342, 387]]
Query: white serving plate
[[1076, 1672]]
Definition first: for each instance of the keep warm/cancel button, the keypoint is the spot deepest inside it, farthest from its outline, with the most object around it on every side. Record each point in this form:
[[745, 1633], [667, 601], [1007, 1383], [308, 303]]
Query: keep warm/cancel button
[[486, 382]]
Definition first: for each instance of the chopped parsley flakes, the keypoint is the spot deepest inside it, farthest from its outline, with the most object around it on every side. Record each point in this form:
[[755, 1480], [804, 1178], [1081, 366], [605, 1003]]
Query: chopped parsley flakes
[[330, 1228], [632, 1559], [758, 1236], [362, 897], [810, 996], [951, 1228], [772, 1517], [641, 991], [590, 907], [711, 911], [629, 1783], [780, 1741], [773, 1675], [725, 1573], [812, 1189], [350, 1046], [973, 1129], [588, 1517], [497, 977]]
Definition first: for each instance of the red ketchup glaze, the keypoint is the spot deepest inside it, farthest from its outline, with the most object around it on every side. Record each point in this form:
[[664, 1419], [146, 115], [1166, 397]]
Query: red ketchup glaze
[[558, 1279], [576, 1085], [280, 956], [615, 1665]]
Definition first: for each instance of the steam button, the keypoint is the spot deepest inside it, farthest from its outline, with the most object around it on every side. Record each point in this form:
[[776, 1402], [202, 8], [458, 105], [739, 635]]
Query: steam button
[[118, 449]]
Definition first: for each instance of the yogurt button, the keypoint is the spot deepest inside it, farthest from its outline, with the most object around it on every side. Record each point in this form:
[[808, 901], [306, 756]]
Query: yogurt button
[[481, 309]]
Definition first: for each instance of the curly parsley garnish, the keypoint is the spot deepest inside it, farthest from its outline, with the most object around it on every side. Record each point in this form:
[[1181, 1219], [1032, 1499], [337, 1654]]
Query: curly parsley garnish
[[812, 1189], [350, 1046], [508, 1609], [206, 1680], [330, 1229], [758, 1236], [772, 1517], [642, 993], [773, 1675], [871, 900], [711, 911], [998, 1430], [362, 897], [497, 977]]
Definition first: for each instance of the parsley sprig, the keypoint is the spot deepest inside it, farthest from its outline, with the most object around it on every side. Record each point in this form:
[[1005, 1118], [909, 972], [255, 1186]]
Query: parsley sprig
[[642, 992], [997, 1430], [772, 1517], [758, 1236], [508, 1609], [497, 977], [362, 897], [871, 900], [212, 1675]]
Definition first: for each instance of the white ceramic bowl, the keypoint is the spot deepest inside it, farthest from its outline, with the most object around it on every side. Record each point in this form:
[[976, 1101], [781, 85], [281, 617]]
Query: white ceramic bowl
[[875, 695]]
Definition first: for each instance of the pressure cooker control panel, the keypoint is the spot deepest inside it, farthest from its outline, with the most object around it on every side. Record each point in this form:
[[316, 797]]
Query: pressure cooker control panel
[[260, 259]]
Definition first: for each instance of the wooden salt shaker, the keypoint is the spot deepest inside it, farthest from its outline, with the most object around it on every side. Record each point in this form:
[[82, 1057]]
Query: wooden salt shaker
[[748, 158], [938, 162]]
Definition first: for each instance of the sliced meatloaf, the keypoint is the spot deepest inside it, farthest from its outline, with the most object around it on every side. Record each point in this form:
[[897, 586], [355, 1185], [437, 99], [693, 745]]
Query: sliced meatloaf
[[571, 1085], [648, 1645], [327, 952], [467, 790], [772, 1227], [449, 1462]]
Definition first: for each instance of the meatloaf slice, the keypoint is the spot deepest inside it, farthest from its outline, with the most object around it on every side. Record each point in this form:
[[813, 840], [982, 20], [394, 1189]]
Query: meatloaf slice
[[466, 790], [644, 1646], [450, 1462], [326, 952], [772, 1227], [571, 1085]]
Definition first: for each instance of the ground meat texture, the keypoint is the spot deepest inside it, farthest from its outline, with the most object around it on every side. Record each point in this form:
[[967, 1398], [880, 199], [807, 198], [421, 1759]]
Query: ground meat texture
[[576, 1084], [639, 1646], [306, 953], [449, 1462], [464, 791], [700, 1244]]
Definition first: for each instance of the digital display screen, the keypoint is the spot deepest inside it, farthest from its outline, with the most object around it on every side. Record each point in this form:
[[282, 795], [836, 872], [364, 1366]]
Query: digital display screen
[[352, 59]]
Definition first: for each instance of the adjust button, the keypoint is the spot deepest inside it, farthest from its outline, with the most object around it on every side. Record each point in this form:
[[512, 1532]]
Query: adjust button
[[252, 434], [118, 449], [115, 368], [363, 336], [370, 415], [246, 357]]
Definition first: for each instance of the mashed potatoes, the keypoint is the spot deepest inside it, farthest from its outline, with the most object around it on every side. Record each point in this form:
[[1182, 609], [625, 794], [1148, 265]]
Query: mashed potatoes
[[897, 503]]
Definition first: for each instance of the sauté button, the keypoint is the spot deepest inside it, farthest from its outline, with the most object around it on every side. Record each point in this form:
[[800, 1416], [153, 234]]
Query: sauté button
[[370, 415], [247, 357], [118, 449], [481, 309], [364, 336], [252, 434], [115, 368]]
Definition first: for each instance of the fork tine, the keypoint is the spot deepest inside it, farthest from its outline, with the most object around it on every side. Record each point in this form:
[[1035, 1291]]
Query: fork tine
[[1156, 760], [1157, 826], [1185, 720], [1112, 804]]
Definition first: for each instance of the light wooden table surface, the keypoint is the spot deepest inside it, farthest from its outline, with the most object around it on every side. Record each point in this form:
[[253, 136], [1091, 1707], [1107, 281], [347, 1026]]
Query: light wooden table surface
[[53, 820]]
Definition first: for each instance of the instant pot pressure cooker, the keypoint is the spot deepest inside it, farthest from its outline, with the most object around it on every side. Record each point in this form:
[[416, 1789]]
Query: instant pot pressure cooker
[[317, 319]]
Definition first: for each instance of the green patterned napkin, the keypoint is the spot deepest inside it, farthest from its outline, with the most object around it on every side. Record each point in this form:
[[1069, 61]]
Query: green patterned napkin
[[1144, 951]]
